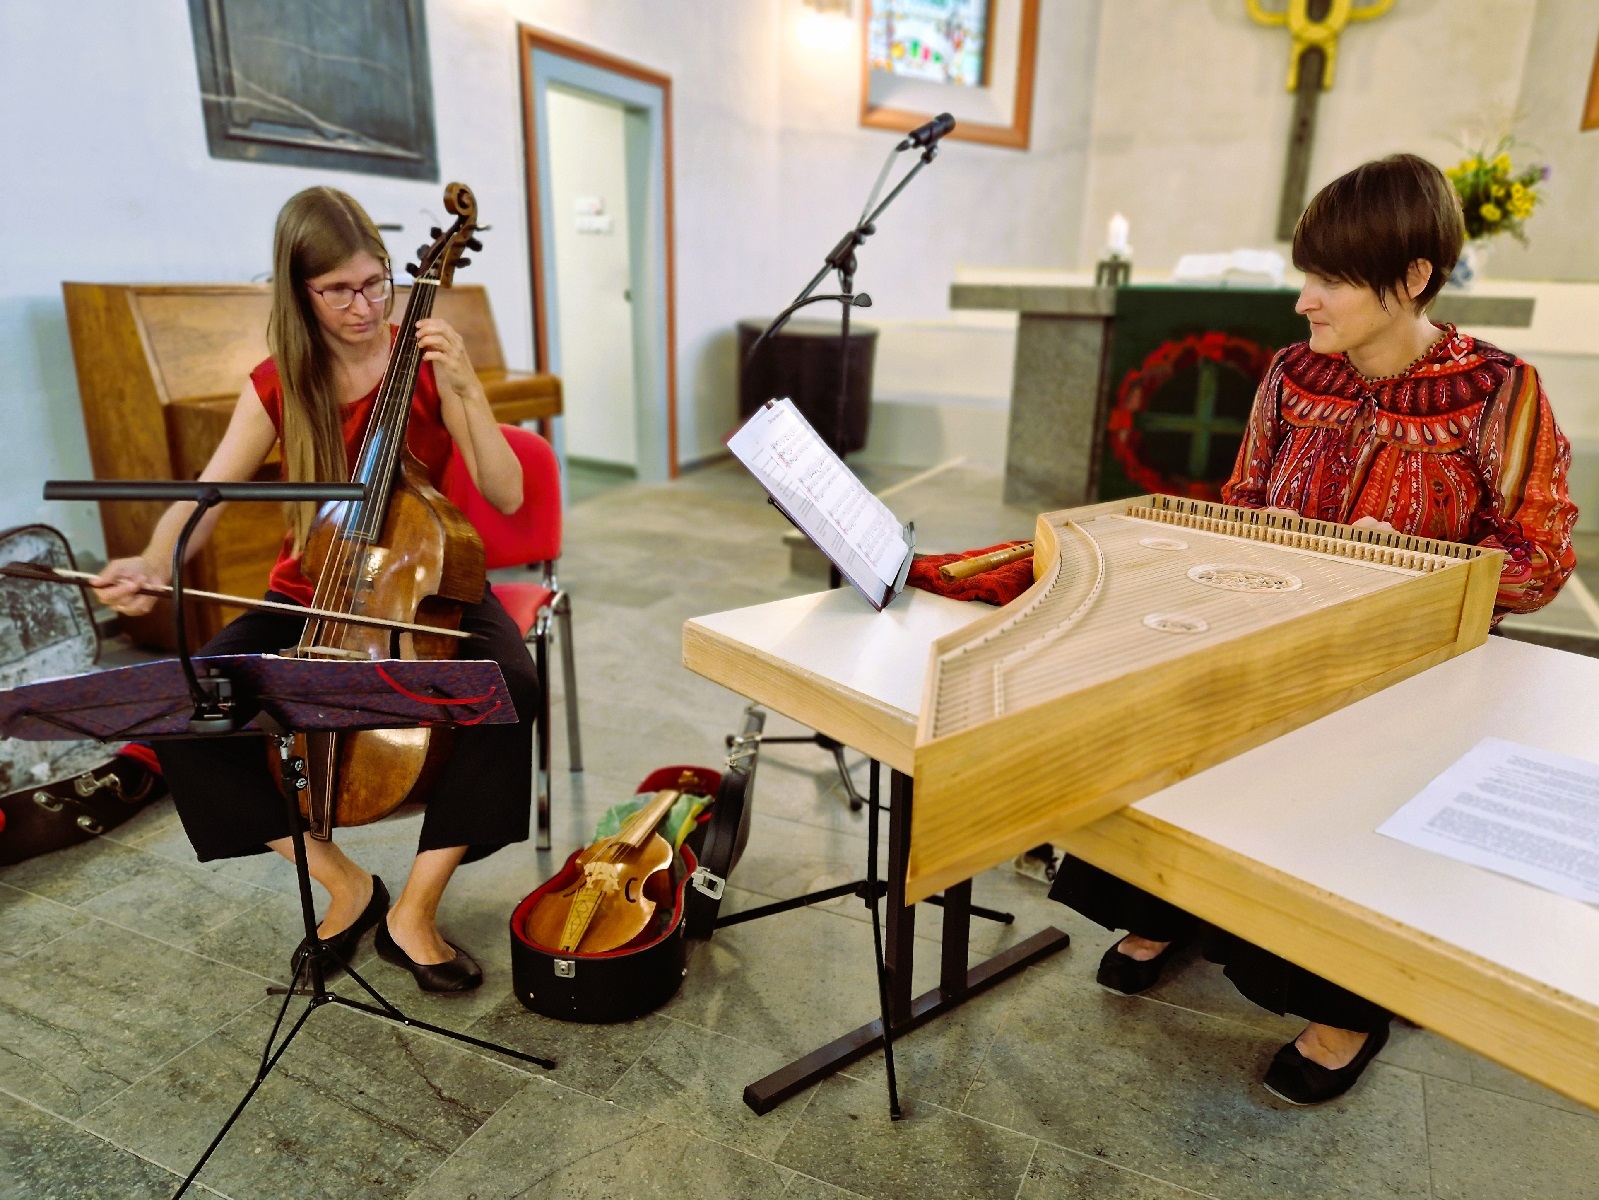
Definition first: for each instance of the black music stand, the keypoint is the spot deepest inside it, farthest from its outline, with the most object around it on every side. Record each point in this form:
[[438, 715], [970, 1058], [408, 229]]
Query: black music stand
[[233, 695]]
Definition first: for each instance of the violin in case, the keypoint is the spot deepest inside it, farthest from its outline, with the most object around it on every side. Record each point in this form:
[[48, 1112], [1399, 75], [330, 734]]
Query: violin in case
[[634, 885]]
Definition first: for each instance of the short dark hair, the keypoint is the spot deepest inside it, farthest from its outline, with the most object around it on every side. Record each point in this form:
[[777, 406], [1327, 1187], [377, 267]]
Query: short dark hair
[[1368, 226]]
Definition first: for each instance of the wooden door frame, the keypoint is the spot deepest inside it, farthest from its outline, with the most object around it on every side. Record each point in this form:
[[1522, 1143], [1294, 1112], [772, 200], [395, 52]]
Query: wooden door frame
[[530, 39]]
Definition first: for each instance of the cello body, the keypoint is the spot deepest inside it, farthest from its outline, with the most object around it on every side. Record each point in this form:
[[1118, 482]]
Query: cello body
[[405, 553], [426, 566]]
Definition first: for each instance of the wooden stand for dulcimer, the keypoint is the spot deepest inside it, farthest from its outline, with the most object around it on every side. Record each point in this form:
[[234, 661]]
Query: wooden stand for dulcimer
[[252, 694]]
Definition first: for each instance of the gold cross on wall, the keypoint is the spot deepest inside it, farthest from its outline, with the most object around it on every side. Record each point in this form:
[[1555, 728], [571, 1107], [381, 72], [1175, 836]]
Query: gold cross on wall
[[1314, 26]]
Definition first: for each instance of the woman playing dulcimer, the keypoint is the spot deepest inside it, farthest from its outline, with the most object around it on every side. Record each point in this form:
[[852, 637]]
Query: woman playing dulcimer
[[1388, 420], [331, 344]]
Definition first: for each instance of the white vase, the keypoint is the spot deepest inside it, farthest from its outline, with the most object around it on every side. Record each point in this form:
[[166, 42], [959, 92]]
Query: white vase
[[1472, 265]]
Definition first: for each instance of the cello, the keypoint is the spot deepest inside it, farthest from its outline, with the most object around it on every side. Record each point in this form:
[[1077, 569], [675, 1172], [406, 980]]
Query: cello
[[404, 554]]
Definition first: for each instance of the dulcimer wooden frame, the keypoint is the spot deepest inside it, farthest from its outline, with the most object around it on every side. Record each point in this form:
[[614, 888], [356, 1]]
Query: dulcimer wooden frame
[[986, 793]]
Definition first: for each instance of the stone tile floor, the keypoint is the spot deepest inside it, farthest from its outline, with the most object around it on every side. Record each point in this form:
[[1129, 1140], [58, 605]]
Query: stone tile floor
[[132, 1002]]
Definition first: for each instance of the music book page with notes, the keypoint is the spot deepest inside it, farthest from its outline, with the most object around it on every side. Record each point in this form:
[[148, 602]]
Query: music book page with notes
[[822, 496]]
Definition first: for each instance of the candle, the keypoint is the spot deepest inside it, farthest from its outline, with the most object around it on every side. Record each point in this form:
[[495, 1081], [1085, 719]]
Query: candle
[[1116, 235]]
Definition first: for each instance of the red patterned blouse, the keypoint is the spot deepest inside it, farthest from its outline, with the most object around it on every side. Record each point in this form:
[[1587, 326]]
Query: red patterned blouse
[[1462, 446], [425, 436]]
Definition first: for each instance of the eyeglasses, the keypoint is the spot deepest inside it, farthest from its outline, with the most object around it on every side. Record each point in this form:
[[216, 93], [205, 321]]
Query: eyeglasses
[[341, 297]]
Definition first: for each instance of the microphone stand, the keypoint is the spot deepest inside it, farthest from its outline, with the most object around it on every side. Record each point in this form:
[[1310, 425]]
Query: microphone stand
[[842, 259]]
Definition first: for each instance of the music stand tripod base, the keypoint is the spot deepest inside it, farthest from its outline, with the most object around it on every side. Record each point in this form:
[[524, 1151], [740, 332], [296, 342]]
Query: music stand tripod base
[[310, 974]]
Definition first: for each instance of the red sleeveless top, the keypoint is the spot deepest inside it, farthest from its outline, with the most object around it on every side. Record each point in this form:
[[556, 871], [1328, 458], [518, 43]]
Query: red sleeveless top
[[426, 438]]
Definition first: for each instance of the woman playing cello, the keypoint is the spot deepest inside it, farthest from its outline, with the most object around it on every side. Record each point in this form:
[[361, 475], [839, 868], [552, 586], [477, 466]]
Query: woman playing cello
[[330, 342]]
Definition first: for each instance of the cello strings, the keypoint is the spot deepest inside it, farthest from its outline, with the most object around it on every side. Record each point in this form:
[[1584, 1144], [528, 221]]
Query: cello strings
[[389, 419], [339, 549], [343, 567]]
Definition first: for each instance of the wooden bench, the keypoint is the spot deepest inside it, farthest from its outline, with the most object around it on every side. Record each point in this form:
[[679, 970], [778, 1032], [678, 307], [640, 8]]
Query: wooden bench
[[159, 369]]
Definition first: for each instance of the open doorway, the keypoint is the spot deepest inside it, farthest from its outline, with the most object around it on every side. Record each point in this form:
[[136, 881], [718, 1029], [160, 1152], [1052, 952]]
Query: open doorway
[[598, 133]]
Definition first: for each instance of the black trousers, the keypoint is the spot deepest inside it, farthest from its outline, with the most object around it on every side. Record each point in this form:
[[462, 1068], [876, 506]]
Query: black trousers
[[1273, 983], [226, 791]]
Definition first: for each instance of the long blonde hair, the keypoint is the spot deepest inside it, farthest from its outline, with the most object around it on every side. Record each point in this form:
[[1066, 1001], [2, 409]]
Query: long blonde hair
[[318, 229]]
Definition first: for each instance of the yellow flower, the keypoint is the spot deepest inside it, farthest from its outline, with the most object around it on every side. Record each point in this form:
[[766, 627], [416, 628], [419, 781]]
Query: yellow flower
[[1470, 164], [1498, 190], [1501, 162], [1490, 212], [1520, 206], [1517, 190]]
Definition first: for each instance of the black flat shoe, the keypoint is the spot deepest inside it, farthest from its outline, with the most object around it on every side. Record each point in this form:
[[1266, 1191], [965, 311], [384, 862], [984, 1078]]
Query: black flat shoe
[[1122, 973], [341, 946], [460, 974], [1294, 1078]]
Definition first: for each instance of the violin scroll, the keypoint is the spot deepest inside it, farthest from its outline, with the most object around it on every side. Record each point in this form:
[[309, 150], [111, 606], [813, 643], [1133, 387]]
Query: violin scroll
[[459, 202], [439, 258]]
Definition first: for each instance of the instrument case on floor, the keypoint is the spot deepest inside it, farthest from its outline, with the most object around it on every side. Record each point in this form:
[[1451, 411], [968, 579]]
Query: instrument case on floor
[[628, 982]]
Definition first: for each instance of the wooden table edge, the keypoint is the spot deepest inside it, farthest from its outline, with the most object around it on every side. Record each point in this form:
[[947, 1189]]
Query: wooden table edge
[[870, 726], [1529, 1027]]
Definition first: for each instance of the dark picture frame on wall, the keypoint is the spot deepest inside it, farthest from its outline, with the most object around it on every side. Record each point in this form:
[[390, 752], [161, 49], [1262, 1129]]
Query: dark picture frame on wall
[[338, 84]]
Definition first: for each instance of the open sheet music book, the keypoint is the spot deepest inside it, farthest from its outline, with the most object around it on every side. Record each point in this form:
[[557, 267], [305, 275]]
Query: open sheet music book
[[815, 490]]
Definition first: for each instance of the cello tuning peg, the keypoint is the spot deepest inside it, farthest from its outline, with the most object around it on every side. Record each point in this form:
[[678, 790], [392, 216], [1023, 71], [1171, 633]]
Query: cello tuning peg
[[421, 251], [473, 244], [410, 269], [435, 232], [463, 262]]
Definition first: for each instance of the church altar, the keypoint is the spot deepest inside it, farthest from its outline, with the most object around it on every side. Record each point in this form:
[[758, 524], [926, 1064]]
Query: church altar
[[1069, 368]]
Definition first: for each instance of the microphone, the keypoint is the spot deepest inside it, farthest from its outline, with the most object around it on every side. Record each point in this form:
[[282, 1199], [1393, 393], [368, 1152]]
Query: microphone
[[926, 135]]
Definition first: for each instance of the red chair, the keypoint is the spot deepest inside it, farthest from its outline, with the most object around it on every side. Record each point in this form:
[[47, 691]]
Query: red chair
[[529, 536]]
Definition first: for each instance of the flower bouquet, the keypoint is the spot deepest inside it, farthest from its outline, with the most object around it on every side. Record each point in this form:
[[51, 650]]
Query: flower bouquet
[[1495, 198]]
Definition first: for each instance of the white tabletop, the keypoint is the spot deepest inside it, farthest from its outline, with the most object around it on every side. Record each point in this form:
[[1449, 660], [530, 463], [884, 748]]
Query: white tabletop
[[1309, 803], [836, 635]]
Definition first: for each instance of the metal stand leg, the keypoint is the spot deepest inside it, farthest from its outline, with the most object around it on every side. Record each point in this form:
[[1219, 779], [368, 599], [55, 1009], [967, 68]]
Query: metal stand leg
[[310, 967], [834, 747], [883, 1014], [903, 1012], [574, 738], [541, 735]]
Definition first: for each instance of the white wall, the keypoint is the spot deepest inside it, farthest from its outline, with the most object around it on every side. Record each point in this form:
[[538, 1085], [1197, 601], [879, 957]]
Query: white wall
[[1563, 235], [1191, 110], [975, 204], [720, 55], [109, 180]]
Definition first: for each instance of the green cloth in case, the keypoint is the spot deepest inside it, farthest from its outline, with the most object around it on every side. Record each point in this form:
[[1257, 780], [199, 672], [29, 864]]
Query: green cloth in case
[[676, 826]]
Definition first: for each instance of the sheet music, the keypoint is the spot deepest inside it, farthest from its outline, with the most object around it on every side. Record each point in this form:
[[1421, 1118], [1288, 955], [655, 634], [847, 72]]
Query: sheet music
[[1524, 812], [834, 509]]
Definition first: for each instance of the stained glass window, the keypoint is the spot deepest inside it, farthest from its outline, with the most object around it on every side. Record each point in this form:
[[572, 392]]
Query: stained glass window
[[939, 41]]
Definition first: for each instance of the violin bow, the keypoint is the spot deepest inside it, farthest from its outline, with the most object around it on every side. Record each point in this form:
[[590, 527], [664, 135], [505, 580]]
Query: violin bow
[[82, 579]]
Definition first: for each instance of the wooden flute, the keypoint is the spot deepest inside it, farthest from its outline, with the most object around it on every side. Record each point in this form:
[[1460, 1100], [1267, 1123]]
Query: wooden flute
[[965, 568]]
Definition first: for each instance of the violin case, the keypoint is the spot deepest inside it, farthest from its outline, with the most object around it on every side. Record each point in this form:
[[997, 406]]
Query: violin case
[[628, 982]]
